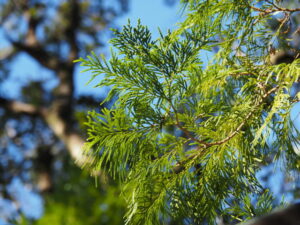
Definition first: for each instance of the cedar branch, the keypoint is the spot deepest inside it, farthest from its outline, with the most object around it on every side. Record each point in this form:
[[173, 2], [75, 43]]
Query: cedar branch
[[180, 166]]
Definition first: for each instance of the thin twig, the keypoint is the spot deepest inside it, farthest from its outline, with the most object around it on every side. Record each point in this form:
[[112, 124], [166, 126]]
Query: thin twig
[[185, 131], [180, 166], [245, 119], [278, 9]]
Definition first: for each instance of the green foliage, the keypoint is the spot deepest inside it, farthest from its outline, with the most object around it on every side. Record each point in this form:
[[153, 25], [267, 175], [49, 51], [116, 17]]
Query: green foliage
[[186, 137], [69, 204]]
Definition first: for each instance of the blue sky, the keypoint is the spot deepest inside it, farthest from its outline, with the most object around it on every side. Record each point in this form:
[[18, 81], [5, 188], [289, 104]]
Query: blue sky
[[155, 14]]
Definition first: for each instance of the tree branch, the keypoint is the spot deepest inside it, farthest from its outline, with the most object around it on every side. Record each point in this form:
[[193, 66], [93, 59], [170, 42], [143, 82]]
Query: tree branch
[[180, 166], [185, 131], [245, 119], [275, 9], [49, 60], [17, 107]]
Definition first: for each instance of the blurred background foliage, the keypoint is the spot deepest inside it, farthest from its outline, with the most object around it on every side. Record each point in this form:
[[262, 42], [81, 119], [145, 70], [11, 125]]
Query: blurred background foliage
[[77, 200]]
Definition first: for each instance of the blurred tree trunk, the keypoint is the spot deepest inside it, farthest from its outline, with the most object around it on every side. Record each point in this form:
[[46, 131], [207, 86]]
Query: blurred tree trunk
[[62, 25]]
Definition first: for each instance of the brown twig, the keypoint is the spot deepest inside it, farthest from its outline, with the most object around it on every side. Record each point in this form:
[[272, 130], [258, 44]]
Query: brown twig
[[245, 119], [180, 166], [185, 131], [275, 9]]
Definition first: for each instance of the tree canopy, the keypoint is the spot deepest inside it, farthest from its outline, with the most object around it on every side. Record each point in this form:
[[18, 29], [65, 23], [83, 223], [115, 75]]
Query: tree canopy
[[199, 111]]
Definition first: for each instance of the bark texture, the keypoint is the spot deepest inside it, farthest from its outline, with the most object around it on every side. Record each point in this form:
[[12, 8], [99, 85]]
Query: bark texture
[[288, 216]]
